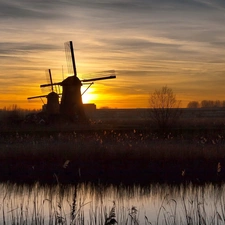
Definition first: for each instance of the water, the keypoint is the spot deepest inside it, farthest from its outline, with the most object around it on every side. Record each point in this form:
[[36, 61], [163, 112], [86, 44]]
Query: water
[[91, 204]]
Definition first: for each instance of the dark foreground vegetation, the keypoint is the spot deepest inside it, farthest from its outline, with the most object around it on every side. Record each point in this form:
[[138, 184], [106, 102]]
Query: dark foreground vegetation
[[114, 152]]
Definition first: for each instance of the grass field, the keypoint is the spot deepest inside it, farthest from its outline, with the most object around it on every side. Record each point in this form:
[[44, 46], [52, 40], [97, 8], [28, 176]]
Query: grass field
[[114, 151]]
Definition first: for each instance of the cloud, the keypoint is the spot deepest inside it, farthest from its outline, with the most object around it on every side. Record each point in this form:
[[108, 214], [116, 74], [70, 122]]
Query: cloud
[[36, 10], [212, 4], [148, 43], [12, 48]]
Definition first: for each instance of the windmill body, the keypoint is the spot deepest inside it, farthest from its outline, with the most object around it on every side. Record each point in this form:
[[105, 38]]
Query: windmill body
[[52, 106], [71, 101]]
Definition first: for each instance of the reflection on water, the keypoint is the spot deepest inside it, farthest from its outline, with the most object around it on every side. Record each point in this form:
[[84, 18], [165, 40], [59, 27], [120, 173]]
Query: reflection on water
[[91, 204]]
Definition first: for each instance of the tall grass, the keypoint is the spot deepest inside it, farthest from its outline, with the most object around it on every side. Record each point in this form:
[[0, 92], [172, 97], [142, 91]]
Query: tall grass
[[93, 152], [112, 155], [101, 205]]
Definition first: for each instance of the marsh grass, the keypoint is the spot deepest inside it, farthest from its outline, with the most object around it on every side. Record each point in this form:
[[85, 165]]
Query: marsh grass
[[192, 150], [39, 205], [111, 155], [51, 205]]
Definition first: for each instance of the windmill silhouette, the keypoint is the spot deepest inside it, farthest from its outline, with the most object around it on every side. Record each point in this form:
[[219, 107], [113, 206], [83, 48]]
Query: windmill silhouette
[[52, 106], [71, 101]]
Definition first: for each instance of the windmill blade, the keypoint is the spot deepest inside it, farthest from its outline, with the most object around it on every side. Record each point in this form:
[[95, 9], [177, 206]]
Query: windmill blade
[[106, 72], [40, 96], [84, 80], [89, 85], [51, 84], [99, 78], [47, 85], [49, 79], [50, 76], [70, 58], [99, 74]]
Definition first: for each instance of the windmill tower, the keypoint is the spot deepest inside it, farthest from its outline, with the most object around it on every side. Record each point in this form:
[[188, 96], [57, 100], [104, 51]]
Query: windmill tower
[[52, 106], [71, 102]]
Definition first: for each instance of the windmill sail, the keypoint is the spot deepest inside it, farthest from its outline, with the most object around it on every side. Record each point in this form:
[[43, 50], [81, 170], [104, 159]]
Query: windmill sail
[[38, 96], [70, 58], [50, 77], [99, 78]]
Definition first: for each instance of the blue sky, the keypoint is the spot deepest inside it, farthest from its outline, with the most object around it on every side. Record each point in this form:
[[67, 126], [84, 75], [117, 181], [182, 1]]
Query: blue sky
[[148, 43]]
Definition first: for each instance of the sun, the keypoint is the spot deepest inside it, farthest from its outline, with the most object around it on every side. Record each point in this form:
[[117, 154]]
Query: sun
[[86, 98]]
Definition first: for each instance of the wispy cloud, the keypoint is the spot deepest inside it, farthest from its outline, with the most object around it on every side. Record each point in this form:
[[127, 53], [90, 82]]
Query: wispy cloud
[[148, 43]]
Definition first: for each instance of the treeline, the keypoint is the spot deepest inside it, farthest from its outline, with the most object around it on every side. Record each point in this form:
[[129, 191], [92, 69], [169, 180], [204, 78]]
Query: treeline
[[206, 104], [14, 114]]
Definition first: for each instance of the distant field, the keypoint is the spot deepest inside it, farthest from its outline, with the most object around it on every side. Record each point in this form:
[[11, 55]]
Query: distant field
[[192, 121], [144, 113]]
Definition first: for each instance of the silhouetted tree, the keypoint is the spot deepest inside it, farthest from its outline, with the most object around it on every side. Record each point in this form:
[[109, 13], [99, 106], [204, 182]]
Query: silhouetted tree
[[212, 104], [223, 104], [193, 104], [164, 107], [217, 103], [206, 104]]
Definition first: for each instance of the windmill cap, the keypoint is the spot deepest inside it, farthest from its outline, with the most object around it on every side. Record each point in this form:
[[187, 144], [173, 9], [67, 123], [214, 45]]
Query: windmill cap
[[71, 81], [52, 95]]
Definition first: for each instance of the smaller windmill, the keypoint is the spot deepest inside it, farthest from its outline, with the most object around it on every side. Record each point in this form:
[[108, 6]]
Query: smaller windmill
[[52, 106], [71, 102]]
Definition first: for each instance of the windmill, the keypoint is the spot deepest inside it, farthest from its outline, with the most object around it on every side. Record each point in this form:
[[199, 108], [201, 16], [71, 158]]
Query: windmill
[[71, 101], [52, 106]]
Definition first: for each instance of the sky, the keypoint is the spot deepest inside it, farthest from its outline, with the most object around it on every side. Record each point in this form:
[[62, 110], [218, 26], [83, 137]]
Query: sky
[[147, 44]]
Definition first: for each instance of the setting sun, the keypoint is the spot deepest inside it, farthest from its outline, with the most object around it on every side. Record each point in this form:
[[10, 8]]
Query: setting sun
[[86, 98], [88, 95]]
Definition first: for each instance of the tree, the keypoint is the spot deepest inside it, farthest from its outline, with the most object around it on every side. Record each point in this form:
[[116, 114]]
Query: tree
[[207, 103], [164, 107], [193, 104]]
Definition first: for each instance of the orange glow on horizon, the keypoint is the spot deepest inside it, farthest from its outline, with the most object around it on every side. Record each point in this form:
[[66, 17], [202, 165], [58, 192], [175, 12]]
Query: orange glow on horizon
[[107, 101]]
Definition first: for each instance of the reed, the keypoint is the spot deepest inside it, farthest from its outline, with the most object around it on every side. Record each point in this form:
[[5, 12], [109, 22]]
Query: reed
[[114, 154], [193, 150], [41, 205]]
